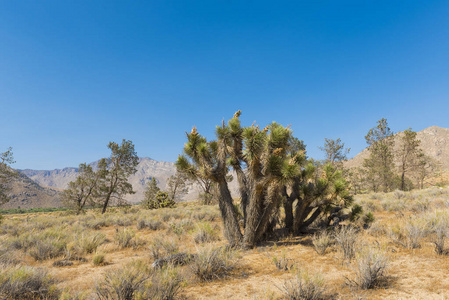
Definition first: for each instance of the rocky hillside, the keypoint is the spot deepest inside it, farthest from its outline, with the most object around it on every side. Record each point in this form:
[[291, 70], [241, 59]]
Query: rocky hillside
[[434, 143], [25, 193]]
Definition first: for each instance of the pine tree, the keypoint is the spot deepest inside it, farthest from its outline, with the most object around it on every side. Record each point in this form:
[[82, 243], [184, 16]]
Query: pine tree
[[379, 166], [84, 190], [115, 171], [334, 151], [6, 174], [409, 154]]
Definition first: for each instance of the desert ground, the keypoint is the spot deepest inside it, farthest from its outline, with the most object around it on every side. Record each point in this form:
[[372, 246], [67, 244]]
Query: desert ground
[[61, 255]]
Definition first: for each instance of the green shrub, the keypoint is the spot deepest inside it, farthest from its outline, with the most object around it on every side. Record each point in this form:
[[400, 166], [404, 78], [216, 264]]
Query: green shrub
[[47, 248], [356, 211], [162, 247], [161, 200], [23, 282], [124, 237], [88, 243], [123, 283], [204, 234], [165, 284], [212, 263], [149, 224], [136, 281], [99, 259]]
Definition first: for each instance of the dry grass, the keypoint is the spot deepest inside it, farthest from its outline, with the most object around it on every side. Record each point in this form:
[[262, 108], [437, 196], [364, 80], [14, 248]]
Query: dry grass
[[304, 287], [418, 271]]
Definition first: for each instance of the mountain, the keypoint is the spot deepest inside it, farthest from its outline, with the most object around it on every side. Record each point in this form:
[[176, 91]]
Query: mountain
[[25, 193], [146, 169], [434, 143]]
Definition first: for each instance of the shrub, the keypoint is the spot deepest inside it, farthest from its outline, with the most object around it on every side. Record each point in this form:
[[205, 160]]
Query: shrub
[[9, 257], [160, 248], [283, 263], [399, 194], [124, 237], [88, 243], [304, 287], [438, 223], [356, 211], [212, 263], [149, 224], [421, 205], [205, 233], [161, 200], [124, 283], [346, 238], [322, 241], [23, 282], [165, 284], [99, 259], [136, 281], [368, 219], [370, 269], [415, 230], [96, 224], [46, 249], [180, 227]]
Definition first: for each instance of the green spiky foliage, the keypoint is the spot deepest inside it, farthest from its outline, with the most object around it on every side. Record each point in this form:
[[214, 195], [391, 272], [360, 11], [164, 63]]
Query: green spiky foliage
[[160, 200], [272, 171]]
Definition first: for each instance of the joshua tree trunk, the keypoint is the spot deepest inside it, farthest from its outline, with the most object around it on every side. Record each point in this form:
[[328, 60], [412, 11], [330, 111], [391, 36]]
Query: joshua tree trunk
[[273, 200], [243, 187], [254, 214], [230, 223]]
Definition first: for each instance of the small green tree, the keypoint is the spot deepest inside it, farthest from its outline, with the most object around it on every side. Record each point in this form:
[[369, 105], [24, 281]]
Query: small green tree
[[6, 174], [379, 165], [334, 151], [409, 154], [150, 192], [177, 186], [84, 189], [115, 171]]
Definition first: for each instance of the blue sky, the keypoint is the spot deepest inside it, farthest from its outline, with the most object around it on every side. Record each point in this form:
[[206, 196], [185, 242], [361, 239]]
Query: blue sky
[[75, 75]]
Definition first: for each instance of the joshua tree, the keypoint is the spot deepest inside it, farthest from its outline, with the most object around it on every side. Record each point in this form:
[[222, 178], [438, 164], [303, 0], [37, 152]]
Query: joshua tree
[[272, 170]]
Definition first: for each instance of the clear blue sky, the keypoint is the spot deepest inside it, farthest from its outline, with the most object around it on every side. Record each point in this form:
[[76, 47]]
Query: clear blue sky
[[75, 75]]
